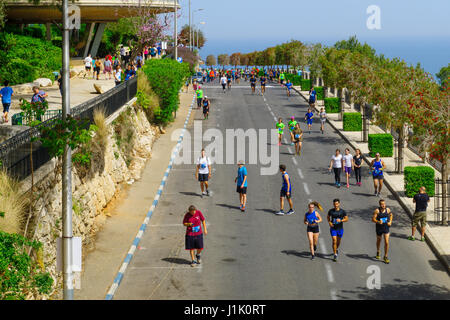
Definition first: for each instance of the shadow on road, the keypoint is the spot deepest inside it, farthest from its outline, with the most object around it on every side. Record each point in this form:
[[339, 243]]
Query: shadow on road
[[361, 256], [190, 194], [176, 260], [266, 210], [228, 206], [305, 254]]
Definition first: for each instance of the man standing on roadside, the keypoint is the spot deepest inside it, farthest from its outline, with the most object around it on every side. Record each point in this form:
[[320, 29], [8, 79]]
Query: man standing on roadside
[[203, 172], [241, 184], [193, 220], [420, 215]]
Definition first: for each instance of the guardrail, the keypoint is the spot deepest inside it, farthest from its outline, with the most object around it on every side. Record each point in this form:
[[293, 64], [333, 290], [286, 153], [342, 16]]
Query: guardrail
[[15, 152]]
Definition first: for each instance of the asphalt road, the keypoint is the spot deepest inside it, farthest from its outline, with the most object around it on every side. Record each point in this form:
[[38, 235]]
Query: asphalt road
[[259, 255]]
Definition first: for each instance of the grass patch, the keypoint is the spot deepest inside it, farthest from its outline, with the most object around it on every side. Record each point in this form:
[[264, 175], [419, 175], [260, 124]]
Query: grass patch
[[12, 204]]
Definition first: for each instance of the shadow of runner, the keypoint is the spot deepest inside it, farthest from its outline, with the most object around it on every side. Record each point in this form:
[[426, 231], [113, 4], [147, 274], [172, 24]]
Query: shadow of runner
[[361, 256], [228, 206], [190, 194], [304, 254], [176, 260]]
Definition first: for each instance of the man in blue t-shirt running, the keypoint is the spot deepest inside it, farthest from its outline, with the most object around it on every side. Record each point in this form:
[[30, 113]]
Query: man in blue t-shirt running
[[288, 88], [6, 93]]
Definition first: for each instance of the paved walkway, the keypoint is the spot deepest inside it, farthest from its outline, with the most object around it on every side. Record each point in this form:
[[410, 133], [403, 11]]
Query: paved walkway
[[127, 212], [437, 236]]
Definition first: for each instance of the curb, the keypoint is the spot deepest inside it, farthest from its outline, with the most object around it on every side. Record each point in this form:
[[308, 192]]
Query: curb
[[431, 241], [137, 239]]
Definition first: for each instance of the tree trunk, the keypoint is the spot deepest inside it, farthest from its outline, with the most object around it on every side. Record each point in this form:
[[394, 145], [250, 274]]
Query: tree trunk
[[341, 96], [401, 143], [444, 176], [365, 132]]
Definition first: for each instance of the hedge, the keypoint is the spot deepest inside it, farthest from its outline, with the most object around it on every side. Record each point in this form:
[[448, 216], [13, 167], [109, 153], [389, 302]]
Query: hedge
[[295, 79], [352, 121], [332, 105], [306, 84], [416, 177], [320, 93], [166, 77], [382, 143]]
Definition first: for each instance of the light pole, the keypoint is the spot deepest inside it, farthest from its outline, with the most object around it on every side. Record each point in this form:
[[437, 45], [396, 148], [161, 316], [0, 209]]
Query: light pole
[[190, 33], [193, 35], [175, 33]]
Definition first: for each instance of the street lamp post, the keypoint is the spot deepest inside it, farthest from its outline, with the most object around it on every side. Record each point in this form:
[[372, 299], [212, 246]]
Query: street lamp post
[[190, 26], [193, 34], [175, 33]]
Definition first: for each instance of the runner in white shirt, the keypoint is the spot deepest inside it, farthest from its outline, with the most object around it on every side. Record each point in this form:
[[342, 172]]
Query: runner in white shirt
[[203, 172], [223, 82], [87, 64], [323, 119], [347, 161], [336, 164]]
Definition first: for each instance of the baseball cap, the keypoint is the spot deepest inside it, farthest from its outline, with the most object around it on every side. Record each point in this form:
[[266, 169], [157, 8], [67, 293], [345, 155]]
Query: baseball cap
[[292, 118]]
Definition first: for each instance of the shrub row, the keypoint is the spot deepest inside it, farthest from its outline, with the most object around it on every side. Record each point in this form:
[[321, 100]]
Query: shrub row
[[306, 84], [352, 121], [382, 143], [320, 93], [332, 105], [416, 177], [295, 79]]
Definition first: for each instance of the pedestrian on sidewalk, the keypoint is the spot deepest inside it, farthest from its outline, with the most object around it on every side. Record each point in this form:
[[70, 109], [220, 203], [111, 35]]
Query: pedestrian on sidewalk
[[336, 218], [312, 220], [118, 75], [377, 166], [347, 162], [286, 192], [194, 220], [357, 163], [203, 172], [199, 93], [241, 187], [382, 217], [6, 93], [421, 200], [336, 164]]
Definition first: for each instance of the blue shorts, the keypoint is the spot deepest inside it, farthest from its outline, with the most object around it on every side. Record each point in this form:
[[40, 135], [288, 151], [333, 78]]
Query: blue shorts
[[309, 121], [378, 176], [337, 233]]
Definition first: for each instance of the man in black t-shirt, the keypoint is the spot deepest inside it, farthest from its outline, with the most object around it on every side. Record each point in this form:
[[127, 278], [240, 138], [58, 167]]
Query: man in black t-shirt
[[336, 218], [420, 215]]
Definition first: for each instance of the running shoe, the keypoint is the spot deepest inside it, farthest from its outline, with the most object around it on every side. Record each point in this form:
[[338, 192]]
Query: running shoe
[[280, 213], [386, 260], [207, 193], [193, 263], [377, 256], [292, 143], [338, 185], [240, 206], [290, 212], [243, 208], [411, 238], [199, 258], [335, 258], [348, 186], [312, 257], [422, 239], [376, 193], [279, 143]]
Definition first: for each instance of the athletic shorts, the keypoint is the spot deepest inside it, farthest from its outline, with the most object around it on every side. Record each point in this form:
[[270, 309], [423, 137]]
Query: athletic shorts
[[194, 242], [311, 101], [205, 111], [224, 85], [241, 190], [87, 68], [323, 120], [309, 121], [284, 195], [202, 177], [313, 229], [337, 232], [253, 85], [419, 217], [381, 229], [348, 170], [378, 176], [281, 80], [6, 107]]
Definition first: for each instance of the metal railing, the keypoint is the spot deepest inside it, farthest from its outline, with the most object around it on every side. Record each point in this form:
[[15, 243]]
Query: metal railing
[[15, 152], [439, 210]]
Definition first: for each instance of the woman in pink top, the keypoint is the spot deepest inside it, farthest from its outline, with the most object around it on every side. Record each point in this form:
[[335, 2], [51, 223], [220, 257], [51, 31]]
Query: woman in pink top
[[194, 220]]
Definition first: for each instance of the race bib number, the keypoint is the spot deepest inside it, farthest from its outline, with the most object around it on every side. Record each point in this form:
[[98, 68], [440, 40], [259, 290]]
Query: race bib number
[[196, 229], [383, 220]]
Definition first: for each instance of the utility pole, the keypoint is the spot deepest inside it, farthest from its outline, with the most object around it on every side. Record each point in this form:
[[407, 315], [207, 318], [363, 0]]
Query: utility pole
[[190, 33], [175, 29], [67, 165]]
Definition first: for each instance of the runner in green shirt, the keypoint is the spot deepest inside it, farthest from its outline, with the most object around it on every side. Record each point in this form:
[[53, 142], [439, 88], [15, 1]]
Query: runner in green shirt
[[199, 93], [282, 78], [291, 125], [280, 126]]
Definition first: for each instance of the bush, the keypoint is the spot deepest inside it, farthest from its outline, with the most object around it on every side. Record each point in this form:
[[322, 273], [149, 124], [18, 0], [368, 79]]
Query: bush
[[320, 93], [352, 121], [306, 84], [295, 79], [382, 143], [261, 73], [332, 105], [416, 177], [166, 78], [24, 59]]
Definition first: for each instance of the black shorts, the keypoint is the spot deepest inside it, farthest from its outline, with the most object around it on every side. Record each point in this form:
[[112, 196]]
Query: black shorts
[[283, 194], [224, 85], [205, 111], [241, 190], [194, 242], [202, 177], [313, 229], [252, 85], [6, 107], [381, 229], [87, 68]]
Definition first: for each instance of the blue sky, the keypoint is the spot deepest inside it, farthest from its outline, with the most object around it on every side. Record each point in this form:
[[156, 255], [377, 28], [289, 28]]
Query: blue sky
[[415, 30]]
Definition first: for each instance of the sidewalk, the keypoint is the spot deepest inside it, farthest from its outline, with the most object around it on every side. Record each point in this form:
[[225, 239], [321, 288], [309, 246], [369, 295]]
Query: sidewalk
[[127, 212], [437, 236]]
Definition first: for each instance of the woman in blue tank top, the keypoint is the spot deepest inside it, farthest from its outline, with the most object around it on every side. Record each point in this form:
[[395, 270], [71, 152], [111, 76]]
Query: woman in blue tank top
[[312, 220], [377, 166]]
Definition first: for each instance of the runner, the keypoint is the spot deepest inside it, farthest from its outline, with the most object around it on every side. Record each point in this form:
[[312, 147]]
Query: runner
[[6, 93], [309, 119], [312, 220], [288, 88], [203, 172], [199, 93], [282, 76], [347, 161], [229, 80], [193, 220], [87, 65], [263, 81], [298, 138], [357, 163], [323, 119], [253, 83], [291, 125], [286, 192], [336, 217], [312, 97], [280, 127], [241, 181], [238, 76], [206, 105], [336, 164], [377, 166], [382, 217], [223, 82]]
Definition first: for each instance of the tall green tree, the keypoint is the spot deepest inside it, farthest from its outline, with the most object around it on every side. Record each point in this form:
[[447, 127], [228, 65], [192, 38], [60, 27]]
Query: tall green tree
[[211, 60], [223, 59], [353, 45], [444, 76], [235, 59]]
